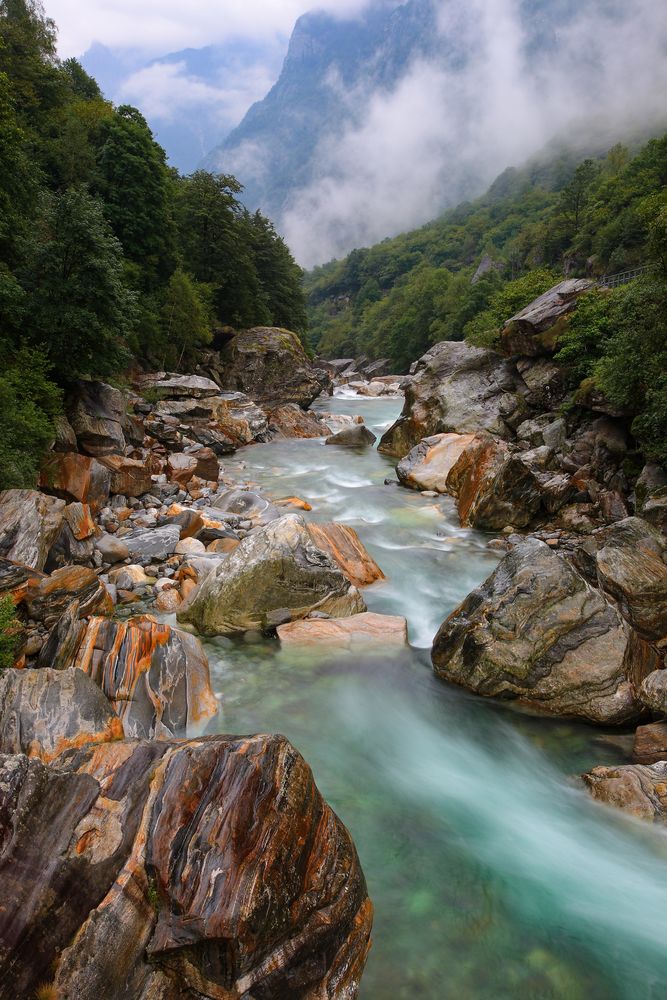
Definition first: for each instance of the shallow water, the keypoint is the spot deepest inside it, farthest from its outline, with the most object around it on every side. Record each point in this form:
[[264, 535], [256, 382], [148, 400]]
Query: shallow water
[[493, 876]]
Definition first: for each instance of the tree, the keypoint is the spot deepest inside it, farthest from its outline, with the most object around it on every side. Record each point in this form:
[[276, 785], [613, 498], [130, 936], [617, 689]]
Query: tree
[[186, 319], [28, 402], [279, 275], [80, 307]]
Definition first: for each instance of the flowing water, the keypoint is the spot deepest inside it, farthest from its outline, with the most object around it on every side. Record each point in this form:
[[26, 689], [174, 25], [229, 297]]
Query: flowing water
[[493, 876]]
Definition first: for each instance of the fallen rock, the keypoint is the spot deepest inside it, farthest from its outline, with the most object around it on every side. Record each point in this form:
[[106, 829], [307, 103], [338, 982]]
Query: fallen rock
[[76, 477], [276, 575], [30, 523], [653, 692], [638, 789], [345, 547], [339, 421], [650, 744], [361, 630], [129, 477], [96, 412], [74, 544], [271, 366], [356, 436], [458, 389], [239, 418], [91, 875], [43, 713], [535, 329], [651, 496], [181, 468], [632, 567], [536, 632]]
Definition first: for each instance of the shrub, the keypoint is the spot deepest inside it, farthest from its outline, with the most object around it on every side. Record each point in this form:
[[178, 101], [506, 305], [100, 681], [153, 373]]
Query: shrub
[[10, 632]]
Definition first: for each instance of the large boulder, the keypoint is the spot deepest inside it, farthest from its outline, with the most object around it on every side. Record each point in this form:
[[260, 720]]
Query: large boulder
[[354, 436], [632, 567], [231, 417], [30, 523], [152, 543], [271, 366], [638, 789], [290, 421], [48, 598], [129, 477], [156, 677], [650, 744], [538, 633], [458, 389], [277, 574], [155, 870], [173, 386], [428, 465], [345, 547], [76, 477], [43, 713], [535, 329], [96, 412]]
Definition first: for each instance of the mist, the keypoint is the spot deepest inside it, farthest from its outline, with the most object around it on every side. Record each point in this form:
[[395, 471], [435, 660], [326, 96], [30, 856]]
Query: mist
[[443, 134]]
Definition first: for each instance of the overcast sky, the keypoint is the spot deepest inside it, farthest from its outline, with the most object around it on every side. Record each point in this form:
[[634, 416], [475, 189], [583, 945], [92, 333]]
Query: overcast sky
[[157, 27]]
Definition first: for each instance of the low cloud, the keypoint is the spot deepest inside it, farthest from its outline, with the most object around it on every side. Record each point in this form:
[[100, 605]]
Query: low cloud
[[442, 134]]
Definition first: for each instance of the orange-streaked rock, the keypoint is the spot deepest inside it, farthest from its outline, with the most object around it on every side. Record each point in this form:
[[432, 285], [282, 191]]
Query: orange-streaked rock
[[48, 598], [428, 466], [343, 544], [181, 468], [367, 629], [30, 523], [129, 476], [295, 502], [80, 520], [76, 477], [290, 421]]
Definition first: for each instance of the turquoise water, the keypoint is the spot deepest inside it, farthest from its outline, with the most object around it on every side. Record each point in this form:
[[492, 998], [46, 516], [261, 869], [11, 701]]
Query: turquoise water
[[493, 876]]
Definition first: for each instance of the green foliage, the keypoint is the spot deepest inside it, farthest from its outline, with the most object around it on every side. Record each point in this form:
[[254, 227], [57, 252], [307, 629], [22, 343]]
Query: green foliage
[[186, 319], [484, 329], [28, 402], [10, 632]]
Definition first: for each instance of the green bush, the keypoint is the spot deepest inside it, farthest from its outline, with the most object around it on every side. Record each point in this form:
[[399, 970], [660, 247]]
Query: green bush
[[484, 329], [10, 632], [29, 401]]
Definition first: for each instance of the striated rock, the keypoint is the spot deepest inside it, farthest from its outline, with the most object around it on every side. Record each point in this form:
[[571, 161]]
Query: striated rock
[[638, 789], [156, 677], [651, 496], [339, 421], [74, 544], [29, 525], [129, 477], [538, 633], [653, 692], [632, 567], [356, 436], [349, 633], [345, 547], [276, 575], [458, 389], [96, 412], [95, 899], [152, 543], [76, 477], [239, 418], [48, 598], [290, 421], [65, 436], [43, 713], [271, 366], [174, 386], [79, 519], [535, 329], [650, 744], [428, 465]]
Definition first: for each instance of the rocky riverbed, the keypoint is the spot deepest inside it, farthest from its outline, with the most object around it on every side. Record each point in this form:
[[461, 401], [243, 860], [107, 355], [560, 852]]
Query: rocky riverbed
[[207, 556]]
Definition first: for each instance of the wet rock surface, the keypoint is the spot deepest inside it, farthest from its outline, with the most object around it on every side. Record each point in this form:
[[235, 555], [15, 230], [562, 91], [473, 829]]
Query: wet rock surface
[[359, 631], [271, 366]]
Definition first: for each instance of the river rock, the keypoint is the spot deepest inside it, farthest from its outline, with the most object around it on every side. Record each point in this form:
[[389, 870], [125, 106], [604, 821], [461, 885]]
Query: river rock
[[345, 547], [428, 465], [538, 633], [129, 477], [152, 543], [30, 523], [364, 630], [290, 421], [181, 468], [535, 329], [653, 692], [356, 436], [75, 543], [156, 677], [43, 713], [112, 549], [246, 505], [458, 389], [632, 567], [638, 789], [271, 366], [276, 575], [76, 477], [174, 386], [239, 418], [47, 598], [96, 412], [650, 744], [94, 897], [339, 421]]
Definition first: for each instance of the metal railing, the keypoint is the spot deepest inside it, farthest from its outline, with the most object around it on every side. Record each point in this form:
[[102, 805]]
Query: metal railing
[[623, 277]]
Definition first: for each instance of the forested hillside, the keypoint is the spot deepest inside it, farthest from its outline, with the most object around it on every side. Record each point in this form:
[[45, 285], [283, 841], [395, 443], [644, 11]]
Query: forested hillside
[[465, 274], [107, 256]]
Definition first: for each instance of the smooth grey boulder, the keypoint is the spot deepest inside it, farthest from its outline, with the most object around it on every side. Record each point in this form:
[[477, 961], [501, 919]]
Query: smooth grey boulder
[[30, 523], [631, 564], [174, 386], [152, 543], [246, 505], [112, 549], [276, 575], [45, 712], [356, 436], [271, 366], [535, 329], [460, 389], [96, 412], [538, 633]]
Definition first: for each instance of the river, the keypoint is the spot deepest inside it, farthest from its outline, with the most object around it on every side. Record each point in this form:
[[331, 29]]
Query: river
[[494, 877]]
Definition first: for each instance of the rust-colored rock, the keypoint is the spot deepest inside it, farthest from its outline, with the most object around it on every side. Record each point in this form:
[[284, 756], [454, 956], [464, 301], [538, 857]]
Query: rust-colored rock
[[295, 502], [122, 877], [290, 421], [632, 567], [429, 464], [76, 477], [650, 744], [129, 476], [47, 599], [155, 677], [80, 520], [43, 713], [345, 547], [638, 789], [168, 601], [359, 631], [181, 468]]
